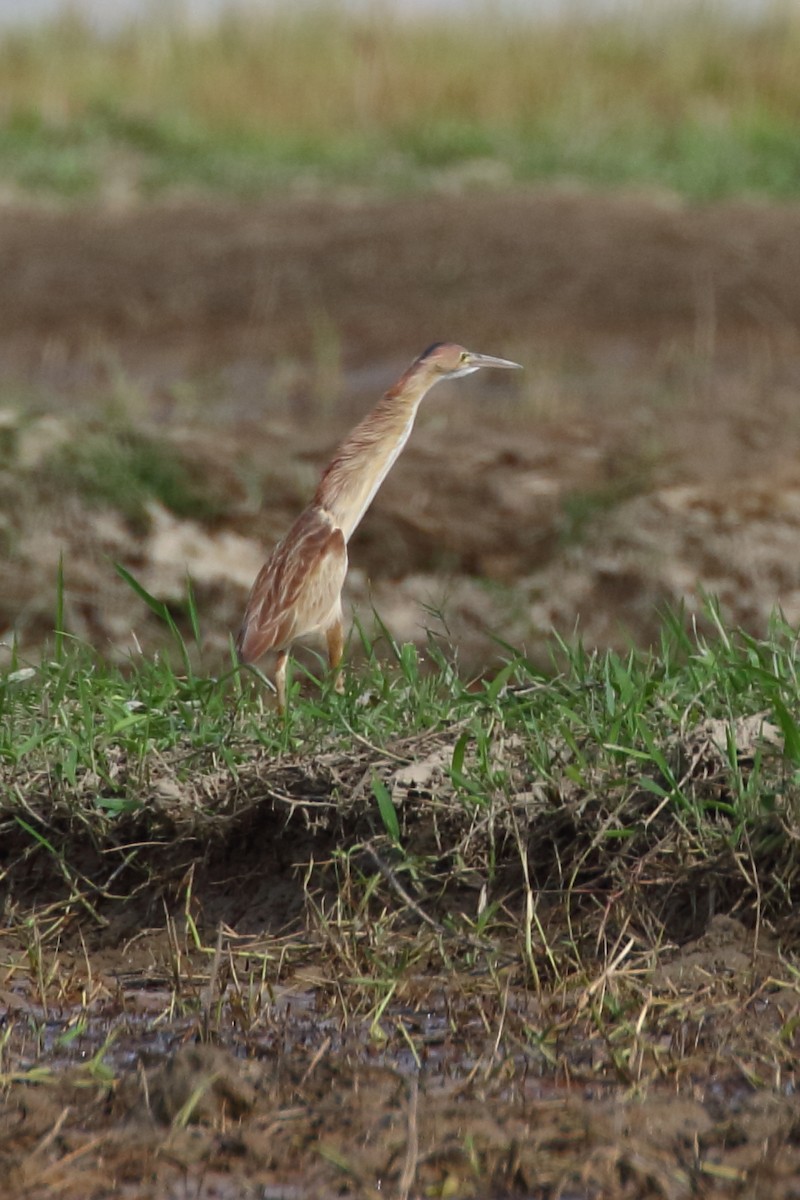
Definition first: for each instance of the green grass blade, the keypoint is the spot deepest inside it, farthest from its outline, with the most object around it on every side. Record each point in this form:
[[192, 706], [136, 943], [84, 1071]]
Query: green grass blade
[[386, 808]]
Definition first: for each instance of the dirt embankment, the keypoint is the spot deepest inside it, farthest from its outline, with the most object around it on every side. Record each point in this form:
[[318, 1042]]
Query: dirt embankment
[[650, 451]]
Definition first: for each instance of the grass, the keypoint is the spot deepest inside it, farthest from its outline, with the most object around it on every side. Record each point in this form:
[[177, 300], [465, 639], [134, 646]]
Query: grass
[[703, 104], [126, 470], [109, 463], [670, 765]]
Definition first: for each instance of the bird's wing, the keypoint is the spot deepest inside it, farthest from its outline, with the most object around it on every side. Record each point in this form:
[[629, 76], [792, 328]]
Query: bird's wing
[[297, 589]]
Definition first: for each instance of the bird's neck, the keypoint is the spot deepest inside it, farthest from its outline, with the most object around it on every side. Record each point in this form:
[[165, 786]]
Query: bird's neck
[[365, 458]]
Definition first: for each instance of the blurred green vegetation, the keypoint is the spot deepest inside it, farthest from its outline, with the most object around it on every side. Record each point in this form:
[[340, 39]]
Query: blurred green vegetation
[[695, 102], [127, 470]]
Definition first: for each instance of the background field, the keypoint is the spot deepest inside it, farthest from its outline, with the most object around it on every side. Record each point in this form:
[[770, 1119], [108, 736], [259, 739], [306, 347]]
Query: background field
[[691, 101], [313, 99], [517, 914]]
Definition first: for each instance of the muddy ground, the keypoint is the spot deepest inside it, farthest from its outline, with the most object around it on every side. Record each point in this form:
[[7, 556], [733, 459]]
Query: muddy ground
[[648, 453]]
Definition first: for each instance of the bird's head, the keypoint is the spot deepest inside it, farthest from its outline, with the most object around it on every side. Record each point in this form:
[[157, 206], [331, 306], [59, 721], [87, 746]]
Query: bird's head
[[446, 360]]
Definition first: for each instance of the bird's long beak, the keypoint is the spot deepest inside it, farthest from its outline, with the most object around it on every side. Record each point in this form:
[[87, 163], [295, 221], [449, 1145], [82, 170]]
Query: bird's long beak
[[488, 360]]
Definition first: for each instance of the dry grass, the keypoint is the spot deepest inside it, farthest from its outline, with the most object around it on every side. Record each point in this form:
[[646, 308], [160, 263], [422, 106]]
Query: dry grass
[[325, 73], [374, 98]]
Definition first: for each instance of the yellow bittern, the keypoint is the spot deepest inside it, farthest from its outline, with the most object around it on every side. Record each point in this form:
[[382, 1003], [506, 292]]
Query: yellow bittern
[[298, 591]]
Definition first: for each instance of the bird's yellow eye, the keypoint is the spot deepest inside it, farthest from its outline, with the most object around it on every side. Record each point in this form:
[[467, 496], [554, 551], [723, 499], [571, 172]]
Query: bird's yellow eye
[[464, 356]]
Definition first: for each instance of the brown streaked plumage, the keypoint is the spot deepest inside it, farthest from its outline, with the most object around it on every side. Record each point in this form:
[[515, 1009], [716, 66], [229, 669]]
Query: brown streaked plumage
[[298, 591]]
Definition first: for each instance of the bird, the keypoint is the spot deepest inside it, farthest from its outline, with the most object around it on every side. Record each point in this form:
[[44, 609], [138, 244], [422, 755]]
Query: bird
[[298, 591]]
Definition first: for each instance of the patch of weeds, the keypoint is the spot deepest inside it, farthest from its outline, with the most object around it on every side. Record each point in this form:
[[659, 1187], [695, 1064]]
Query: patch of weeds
[[690, 157], [127, 469], [444, 143], [579, 508], [60, 158]]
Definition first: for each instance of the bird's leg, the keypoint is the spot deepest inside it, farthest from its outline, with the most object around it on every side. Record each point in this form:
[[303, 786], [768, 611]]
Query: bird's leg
[[280, 680], [334, 635]]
